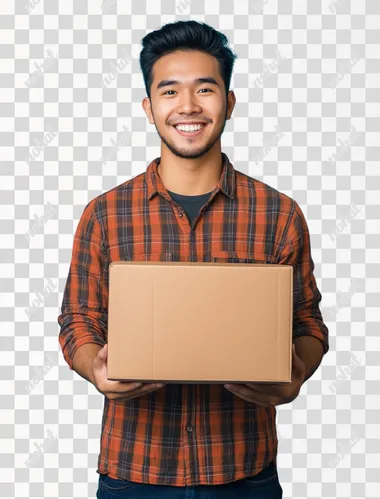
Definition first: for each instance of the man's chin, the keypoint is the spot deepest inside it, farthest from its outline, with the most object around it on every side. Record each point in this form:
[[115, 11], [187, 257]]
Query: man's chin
[[190, 154]]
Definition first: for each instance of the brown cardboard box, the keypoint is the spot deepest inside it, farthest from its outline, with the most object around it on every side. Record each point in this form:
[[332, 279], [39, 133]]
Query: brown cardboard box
[[200, 322]]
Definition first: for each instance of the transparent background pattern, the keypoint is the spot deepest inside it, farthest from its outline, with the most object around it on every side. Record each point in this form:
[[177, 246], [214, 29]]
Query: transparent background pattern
[[306, 121]]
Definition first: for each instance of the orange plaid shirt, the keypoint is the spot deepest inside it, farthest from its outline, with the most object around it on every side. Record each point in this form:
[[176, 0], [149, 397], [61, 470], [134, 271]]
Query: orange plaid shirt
[[185, 434]]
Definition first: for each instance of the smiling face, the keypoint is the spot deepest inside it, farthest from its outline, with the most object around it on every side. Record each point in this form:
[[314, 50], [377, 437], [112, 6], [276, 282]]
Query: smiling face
[[188, 88]]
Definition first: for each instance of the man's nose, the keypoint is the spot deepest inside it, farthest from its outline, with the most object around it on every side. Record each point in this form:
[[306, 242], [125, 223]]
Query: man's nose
[[188, 103]]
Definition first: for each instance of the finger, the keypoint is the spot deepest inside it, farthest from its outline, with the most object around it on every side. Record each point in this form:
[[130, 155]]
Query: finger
[[250, 399], [272, 388], [149, 386], [139, 389], [263, 386], [247, 394], [134, 393], [119, 387]]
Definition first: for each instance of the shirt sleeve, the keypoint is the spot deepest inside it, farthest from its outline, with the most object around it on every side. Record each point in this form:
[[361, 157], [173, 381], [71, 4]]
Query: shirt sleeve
[[84, 311], [307, 317]]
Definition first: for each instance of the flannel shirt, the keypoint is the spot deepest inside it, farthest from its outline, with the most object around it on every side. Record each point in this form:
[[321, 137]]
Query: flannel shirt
[[185, 434]]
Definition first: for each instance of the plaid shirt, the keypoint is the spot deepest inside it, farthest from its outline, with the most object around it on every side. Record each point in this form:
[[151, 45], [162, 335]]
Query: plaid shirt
[[185, 434]]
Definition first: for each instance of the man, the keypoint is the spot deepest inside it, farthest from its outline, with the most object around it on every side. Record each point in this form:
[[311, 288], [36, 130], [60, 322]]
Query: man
[[174, 440]]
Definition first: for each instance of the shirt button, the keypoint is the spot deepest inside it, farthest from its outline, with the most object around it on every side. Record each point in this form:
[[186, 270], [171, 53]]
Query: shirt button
[[189, 427]]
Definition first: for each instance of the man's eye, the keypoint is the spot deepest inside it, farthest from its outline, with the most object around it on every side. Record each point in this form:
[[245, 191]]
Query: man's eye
[[199, 90]]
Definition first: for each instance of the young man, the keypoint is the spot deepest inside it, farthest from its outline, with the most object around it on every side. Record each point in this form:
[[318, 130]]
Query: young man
[[189, 205]]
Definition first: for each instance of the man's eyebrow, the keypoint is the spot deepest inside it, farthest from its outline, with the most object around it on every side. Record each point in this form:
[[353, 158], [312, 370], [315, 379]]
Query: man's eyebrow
[[207, 79]]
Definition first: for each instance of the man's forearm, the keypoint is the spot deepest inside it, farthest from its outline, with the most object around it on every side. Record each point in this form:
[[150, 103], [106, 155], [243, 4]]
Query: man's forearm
[[310, 350], [83, 360]]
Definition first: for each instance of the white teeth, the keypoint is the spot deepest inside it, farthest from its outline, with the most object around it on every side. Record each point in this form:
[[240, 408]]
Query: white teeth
[[189, 128]]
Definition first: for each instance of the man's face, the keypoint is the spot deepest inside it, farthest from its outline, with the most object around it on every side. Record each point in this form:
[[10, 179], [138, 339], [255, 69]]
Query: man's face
[[188, 101]]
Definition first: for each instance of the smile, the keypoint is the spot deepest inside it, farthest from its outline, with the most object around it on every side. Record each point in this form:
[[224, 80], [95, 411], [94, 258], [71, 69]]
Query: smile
[[192, 130]]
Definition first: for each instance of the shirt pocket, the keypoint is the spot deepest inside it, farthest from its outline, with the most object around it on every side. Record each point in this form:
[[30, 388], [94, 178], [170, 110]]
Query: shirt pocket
[[154, 256], [225, 256]]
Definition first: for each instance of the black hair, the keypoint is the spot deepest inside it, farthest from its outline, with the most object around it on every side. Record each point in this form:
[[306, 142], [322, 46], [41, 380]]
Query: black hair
[[186, 35]]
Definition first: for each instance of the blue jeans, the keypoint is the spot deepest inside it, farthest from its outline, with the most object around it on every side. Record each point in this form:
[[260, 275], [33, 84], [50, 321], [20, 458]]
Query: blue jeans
[[265, 485]]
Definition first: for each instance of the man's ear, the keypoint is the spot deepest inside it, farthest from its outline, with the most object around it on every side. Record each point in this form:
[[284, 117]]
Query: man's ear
[[231, 101], [146, 104]]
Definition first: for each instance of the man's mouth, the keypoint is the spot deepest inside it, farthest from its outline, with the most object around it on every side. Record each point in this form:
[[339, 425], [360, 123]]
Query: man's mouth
[[190, 130]]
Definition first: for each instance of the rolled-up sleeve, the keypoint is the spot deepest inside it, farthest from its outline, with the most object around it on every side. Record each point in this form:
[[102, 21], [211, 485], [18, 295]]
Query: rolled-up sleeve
[[84, 310], [307, 316]]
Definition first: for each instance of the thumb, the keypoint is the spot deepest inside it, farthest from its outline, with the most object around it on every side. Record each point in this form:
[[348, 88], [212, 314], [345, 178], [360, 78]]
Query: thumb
[[294, 355], [295, 358], [102, 353], [297, 362]]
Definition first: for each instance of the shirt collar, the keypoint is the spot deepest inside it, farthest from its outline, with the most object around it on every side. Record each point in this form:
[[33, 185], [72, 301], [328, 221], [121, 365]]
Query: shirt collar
[[226, 182]]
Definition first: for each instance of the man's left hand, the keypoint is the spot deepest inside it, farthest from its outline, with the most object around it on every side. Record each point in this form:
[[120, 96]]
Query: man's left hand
[[273, 393]]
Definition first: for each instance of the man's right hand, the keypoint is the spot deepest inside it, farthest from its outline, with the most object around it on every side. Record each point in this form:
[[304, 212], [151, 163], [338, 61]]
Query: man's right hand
[[117, 389]]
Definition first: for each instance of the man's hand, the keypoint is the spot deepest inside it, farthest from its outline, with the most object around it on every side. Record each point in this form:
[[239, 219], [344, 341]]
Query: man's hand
[[273, 393], [117, 389]]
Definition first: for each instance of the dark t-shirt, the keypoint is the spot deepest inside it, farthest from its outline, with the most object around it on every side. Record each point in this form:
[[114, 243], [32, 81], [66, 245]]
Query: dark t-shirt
[[191, 204]]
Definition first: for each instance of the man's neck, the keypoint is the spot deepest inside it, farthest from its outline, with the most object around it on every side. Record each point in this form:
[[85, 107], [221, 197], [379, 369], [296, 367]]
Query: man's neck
[[189, 182]]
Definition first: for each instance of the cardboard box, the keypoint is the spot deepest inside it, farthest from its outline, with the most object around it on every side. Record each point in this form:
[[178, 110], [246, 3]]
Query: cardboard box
[[200, 322]]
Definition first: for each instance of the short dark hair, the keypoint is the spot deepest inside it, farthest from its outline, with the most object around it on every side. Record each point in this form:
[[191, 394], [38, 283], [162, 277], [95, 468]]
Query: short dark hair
[[186, 35]]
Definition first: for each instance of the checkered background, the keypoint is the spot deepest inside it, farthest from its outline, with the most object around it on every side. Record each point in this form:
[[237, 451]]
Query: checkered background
[[306, 121]]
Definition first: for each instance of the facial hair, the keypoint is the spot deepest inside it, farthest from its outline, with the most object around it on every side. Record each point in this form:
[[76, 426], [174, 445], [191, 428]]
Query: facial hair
[[191, 153]]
